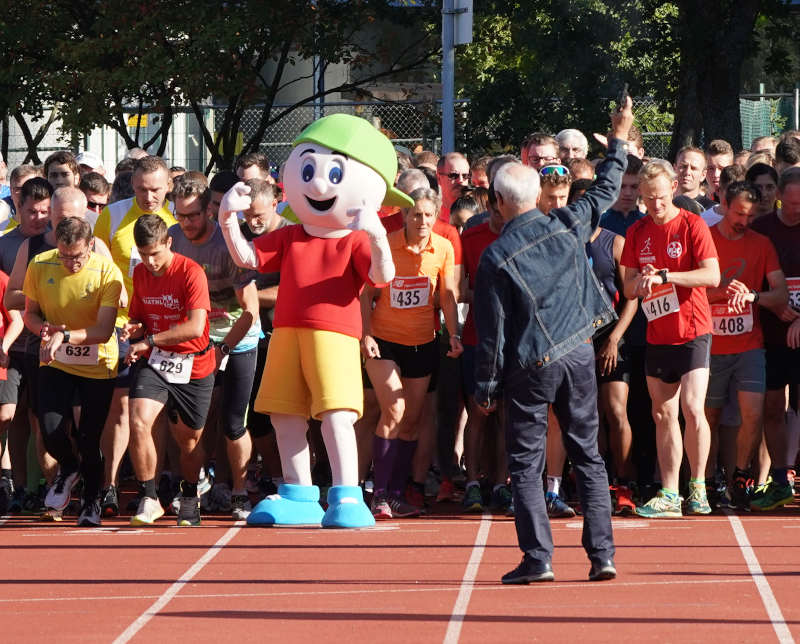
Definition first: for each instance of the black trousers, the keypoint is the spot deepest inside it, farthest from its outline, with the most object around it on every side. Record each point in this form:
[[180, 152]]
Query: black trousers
[[59, 391], [568, 384]]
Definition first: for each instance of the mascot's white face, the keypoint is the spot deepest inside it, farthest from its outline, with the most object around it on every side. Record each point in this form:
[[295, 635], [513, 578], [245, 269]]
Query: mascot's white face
[[322, 186]]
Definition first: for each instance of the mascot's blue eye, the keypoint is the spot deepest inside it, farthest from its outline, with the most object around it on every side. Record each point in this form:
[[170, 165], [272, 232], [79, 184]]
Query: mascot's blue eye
[[308, 172], [335, 174]]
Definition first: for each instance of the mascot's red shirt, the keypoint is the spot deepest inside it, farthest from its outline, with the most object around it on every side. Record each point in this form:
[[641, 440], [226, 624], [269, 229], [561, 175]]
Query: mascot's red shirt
[[321, 278]]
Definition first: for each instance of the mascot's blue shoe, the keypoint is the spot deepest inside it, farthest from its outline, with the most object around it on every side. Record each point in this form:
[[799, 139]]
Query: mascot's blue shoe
[[292, 505], [346, 508]]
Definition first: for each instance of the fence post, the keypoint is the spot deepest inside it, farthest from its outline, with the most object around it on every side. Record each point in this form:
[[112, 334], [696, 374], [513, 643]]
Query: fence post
[[797, 108]]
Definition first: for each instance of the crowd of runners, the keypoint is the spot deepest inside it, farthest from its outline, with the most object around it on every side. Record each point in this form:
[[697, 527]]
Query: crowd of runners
[[133, 346]]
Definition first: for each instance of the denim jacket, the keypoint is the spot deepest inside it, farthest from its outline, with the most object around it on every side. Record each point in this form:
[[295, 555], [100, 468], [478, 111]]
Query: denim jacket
[[536, 297]]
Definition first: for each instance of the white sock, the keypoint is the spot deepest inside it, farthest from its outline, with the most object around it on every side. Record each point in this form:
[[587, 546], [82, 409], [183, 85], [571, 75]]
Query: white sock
[[553, 484], [340, 441]]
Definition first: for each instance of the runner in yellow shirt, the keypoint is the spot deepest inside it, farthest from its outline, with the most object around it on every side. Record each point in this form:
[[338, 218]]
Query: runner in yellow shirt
[[71, 299]]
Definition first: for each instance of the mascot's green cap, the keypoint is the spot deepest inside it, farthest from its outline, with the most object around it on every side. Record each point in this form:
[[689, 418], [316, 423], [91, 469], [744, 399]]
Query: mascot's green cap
[[359, 140]]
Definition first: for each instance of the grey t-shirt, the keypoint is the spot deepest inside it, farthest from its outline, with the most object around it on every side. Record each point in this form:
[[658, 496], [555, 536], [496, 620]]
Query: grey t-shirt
[[224, 278]]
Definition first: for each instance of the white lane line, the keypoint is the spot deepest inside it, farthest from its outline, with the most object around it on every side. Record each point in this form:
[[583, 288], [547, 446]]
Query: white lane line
[[371, 590], [175, 588], [764, 589], [468, 581]]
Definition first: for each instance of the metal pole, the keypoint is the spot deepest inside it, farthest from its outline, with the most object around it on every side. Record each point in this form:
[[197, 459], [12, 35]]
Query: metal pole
[[797, 108], [448, 74]]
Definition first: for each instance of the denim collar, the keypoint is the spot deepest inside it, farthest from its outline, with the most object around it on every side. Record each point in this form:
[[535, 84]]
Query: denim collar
[[524, 218]]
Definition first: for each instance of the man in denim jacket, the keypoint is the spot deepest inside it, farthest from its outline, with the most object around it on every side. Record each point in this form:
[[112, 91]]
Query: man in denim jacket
[[537, 304]]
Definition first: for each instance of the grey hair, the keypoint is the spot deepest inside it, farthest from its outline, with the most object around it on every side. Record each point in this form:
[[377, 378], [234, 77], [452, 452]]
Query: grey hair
[[569, 133], [427, 194], [520, 187], [411, 180]]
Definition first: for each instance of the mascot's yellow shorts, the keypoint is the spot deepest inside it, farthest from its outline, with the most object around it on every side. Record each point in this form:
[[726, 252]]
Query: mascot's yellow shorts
[[308, 372]]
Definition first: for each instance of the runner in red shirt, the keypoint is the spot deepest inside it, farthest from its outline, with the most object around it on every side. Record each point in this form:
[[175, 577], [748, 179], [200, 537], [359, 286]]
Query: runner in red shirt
[[747, 260], [669, 259], [169, 334]]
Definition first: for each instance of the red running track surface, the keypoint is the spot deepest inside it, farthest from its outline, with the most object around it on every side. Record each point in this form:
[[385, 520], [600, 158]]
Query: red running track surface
[[693, 579]]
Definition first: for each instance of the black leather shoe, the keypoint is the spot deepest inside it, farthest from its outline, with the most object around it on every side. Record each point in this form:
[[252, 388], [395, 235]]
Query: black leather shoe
[[529, 570], [602, 570]]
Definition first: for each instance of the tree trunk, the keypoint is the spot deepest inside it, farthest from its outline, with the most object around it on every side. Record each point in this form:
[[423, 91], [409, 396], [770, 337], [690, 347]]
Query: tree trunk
[[714, 37]]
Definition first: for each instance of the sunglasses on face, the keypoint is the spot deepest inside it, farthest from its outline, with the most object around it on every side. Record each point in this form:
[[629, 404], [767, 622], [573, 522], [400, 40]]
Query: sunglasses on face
[[455, 176], [560, 170]]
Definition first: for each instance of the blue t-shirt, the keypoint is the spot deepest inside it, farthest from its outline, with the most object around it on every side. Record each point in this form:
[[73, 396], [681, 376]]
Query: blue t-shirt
[[618, 222]]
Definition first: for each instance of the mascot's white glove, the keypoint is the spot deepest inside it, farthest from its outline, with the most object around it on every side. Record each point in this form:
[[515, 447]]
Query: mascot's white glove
[[381, 270], [242, 251]]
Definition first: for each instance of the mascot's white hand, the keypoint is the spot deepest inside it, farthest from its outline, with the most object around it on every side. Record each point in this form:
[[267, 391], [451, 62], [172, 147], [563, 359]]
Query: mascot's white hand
[[235, 200], [366, 218]]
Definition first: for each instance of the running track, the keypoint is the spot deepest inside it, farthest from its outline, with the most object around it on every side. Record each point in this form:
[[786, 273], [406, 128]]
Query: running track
[[435, 579]]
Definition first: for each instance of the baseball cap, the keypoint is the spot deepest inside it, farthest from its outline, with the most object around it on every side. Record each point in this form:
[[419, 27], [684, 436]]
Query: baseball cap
[[90, 159]]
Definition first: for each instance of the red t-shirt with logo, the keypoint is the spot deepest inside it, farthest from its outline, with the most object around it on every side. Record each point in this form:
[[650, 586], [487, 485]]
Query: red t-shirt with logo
[[473, 242], [161, 302], [749, 260], [679, 246]]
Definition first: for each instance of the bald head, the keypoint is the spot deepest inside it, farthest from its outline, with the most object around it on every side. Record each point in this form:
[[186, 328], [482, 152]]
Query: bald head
[[68, 202]]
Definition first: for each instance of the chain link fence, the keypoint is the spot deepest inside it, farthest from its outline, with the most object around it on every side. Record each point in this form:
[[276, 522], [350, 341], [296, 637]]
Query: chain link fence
[[408, 124]]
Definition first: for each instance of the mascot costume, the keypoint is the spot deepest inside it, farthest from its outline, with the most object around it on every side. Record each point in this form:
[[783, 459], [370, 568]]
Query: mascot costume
[[338, 175]]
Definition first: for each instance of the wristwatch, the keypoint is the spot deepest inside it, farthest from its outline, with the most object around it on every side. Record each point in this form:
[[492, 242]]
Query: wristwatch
[[755, 295], [663, 275], [224, 349], [65, 332], [150, 340]]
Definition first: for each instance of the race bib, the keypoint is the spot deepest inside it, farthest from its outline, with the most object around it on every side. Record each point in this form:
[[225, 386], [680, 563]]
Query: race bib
[[793, 284], [136, 259], [409, 292], [662, 301], [173, 367], [77, 354], [726, 322]]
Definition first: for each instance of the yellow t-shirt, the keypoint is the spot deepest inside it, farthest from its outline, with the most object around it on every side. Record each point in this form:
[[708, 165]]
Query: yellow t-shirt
[[404, 312], [115, 227], [73, 299]]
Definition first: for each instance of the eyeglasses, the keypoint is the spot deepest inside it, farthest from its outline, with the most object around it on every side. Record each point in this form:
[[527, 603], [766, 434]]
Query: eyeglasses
[[535, 159], [188, 215], [93, 205], [560, 170], [455, 176], [74, 258]]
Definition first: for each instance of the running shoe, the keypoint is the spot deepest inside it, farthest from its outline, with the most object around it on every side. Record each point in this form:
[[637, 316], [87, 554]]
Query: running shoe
[[741, 492], [15, 507], [90, 514], [415, 496], [205, 480], [59, 493], [51, 514], [32, 504], [110, 504], [219, 498], [189, 511], [697, 501], [240, 507], [501, 498], [402, 510], [6, 494], [473, 499], [775, 496], [661, 507], [447, 491], [380, 509], [148, 512], [624, 500], [556, 508]]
